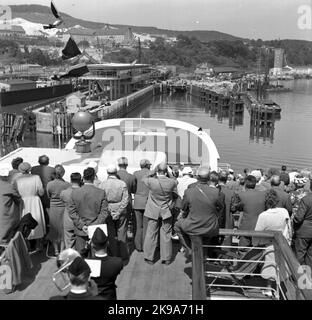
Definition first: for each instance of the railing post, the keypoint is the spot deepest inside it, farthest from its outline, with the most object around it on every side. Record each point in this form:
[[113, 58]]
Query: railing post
[[198, 275]]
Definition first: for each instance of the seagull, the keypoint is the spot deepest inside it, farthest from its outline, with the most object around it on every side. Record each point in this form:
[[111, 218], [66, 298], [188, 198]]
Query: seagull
[[56, 14]]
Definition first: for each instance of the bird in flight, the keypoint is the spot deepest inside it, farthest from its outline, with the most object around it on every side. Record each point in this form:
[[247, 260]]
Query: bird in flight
[[58, 17]]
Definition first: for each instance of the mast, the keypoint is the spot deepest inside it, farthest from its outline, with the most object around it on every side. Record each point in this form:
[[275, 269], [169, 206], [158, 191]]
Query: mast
[[140, 51]]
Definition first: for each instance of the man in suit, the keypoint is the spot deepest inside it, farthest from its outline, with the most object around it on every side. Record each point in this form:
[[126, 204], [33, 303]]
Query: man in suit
[[284, 198], [202, 205], [159, 215], [285, 176], [10, 201], [303, 231], [65, 196], [252, 203], [228, 194], [79, 274], [117, 222], [87, 206], [140, 199], [131, 183], [46, 174], [127, 177], [110, 266]]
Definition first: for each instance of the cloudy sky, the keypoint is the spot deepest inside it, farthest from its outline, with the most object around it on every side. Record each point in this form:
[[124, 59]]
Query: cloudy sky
[[266, 19]]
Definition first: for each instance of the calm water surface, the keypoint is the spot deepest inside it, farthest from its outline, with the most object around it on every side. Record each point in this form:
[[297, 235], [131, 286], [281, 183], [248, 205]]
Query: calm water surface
[[289, 142]]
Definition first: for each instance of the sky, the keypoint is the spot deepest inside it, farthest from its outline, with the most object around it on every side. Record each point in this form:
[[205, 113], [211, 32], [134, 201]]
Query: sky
[[265, 19]]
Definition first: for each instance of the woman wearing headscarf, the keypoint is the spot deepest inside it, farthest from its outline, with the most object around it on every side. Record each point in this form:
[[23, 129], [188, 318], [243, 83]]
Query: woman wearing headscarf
[[298, 191], [57, 207], [30, 188]]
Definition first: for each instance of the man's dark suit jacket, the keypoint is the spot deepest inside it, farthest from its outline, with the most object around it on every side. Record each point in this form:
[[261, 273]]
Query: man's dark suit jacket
[[251, 202], [110, 269], [284, 199], [202, 211], [88, 206], [142, 191], [284, 176], [129, 179], [303, 218], [46, 174], [228, 194]]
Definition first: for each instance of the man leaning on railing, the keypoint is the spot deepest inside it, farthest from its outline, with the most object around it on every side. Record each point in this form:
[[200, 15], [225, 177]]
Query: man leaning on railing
[[202, 206]]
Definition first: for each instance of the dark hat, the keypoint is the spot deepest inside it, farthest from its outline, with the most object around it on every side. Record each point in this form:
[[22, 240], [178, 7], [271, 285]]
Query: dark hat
[[144, 163], [78, 266], [99, 237]]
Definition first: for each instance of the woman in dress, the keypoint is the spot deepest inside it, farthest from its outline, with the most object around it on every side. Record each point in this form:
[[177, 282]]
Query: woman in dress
[[273, 219], [30, 188], [57, 207]]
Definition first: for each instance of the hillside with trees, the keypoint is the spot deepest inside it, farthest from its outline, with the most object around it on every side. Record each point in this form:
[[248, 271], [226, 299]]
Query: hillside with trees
[[189, 51]]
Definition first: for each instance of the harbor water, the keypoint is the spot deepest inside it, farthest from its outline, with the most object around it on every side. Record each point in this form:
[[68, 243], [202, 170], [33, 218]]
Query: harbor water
[[241, 144], [289, 142]]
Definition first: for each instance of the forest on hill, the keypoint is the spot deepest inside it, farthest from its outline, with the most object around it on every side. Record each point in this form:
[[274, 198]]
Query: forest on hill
[[186, 52]]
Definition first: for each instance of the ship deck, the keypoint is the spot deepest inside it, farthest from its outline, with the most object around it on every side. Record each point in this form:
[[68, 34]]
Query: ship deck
[[137, 281]]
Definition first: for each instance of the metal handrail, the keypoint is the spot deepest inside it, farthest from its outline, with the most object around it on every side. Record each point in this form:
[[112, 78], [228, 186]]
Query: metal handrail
[[286, 264]]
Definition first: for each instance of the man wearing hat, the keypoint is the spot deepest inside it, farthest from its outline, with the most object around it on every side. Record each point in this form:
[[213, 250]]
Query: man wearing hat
[[79, 275], [158, 212], [117, 222], [10, 201], [201, 206], [110, 266], [140, 199]]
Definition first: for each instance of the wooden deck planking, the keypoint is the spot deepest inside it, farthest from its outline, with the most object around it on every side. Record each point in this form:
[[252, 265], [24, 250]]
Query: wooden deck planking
[[138, 281]]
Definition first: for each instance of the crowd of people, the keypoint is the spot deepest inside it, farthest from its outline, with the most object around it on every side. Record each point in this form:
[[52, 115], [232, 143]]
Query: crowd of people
[[165, 204]]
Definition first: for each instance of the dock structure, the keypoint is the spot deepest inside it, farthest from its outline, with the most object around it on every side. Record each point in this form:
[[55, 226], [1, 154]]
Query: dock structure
[[224, 103], [177, 86], [116, 80], [56, 117], [262, 124], [11, 127]]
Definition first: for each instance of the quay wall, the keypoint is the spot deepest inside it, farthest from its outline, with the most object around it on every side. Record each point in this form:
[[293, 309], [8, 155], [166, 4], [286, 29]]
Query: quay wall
[[15, 97], [121, 107], [45, 122]]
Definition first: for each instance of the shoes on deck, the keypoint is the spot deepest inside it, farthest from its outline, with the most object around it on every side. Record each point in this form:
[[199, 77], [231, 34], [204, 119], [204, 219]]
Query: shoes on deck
[[174, 236], [166, 262], [268, 293], [149, 261]]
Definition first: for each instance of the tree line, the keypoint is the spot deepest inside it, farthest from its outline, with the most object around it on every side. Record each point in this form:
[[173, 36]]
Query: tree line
[[185, 52]]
